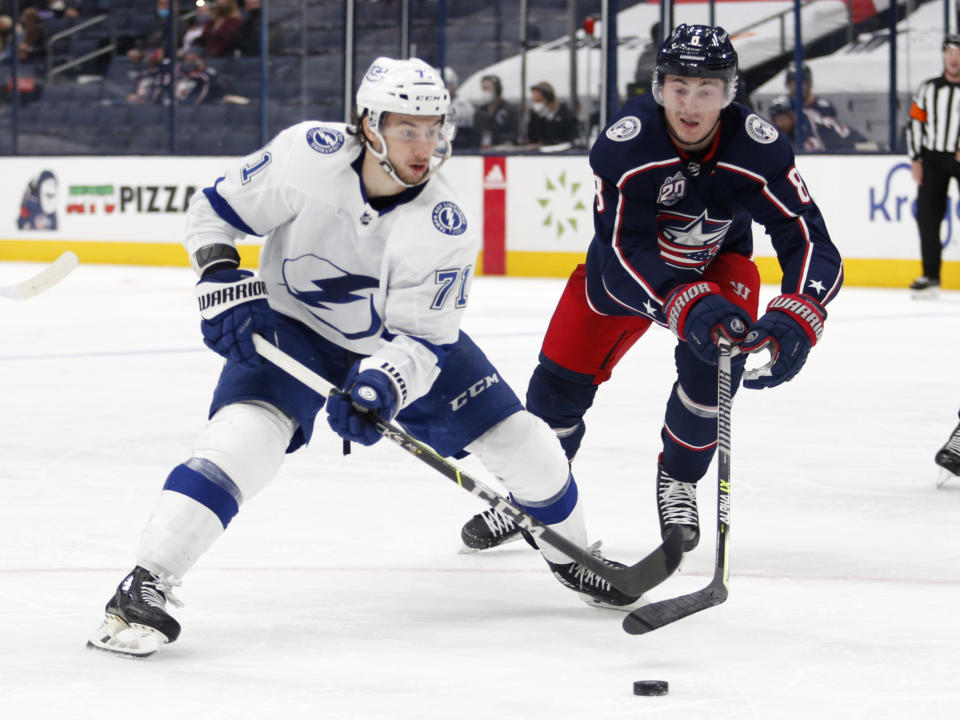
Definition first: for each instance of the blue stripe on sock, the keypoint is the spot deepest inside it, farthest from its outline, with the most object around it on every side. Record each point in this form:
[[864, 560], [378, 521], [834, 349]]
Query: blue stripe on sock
[[555, 509], [195, 483]]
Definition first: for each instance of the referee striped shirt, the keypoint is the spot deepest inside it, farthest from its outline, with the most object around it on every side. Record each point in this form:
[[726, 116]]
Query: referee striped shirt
[[934, 118]]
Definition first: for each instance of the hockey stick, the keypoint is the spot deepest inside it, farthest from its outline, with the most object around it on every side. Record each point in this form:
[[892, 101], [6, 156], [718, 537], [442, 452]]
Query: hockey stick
[[656, 615], [634, 580], [46, 278]]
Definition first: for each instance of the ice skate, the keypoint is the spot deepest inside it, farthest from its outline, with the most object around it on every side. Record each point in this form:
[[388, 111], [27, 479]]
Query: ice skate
[[136, 622], [948, 458], [924, 288], [488, 529], [677, 505], [593, 589]]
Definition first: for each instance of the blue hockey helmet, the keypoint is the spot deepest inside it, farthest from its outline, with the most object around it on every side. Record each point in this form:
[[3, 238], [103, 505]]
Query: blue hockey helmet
[[780, 105], [697, 51], [805, 73]]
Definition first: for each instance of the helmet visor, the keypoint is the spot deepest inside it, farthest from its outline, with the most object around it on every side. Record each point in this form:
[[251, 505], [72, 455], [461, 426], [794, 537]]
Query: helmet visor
[[684, 93]]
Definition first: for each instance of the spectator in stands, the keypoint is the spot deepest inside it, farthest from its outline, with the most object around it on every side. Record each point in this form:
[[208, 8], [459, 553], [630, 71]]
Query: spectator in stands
[[193, 33], [33, 46], [810, 101], [821, 133], [643, 75], [248, 38], [495, 121], [463, 112], [7, 40], [551, 122], [61, 9], [195, 82], [221, 33]]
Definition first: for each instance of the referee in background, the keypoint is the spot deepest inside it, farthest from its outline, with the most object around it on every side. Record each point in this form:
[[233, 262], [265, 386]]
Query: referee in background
[[932, 141]]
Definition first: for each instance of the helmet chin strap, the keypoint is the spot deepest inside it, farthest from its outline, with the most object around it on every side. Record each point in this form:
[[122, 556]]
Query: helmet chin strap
[[385, 163], [391, 171]]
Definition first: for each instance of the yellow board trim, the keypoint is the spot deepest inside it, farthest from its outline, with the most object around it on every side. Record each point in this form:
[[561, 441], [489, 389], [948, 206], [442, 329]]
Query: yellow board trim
[[865, 272], [112, 253]]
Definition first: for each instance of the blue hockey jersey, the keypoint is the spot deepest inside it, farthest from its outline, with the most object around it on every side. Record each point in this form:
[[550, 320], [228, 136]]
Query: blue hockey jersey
[[662, 216]]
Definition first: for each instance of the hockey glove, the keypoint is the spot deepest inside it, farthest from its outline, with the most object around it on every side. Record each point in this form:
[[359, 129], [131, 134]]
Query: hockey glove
[[790, 327], [367, 396], [233, 305], [698, 314]]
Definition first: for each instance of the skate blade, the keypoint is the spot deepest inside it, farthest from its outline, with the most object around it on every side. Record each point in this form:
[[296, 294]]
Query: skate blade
[[944, 476], [925, 294], [593, 602], [467, 550], [118, 638]]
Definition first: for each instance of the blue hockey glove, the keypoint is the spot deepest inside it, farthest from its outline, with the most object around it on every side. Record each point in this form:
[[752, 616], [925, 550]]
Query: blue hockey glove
[[790, 327], [367, 395], [700, 315], [233, 305]]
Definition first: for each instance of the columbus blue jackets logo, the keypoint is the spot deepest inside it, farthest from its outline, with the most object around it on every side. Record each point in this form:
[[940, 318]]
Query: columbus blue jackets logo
[[760, 130], [38, 208], [688, 242], [624, 129], [336, 298], [324, 140], [449, 219]]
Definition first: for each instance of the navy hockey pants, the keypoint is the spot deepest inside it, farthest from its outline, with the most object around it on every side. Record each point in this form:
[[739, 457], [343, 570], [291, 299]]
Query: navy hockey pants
[[581, 349]]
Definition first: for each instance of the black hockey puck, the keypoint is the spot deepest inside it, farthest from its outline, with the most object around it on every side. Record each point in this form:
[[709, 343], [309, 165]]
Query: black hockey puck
[[651, 687]]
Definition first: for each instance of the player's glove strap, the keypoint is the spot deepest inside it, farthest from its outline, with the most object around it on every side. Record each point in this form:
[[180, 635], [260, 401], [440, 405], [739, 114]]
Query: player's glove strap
[[681, 300], [215, 297], [805, 311]]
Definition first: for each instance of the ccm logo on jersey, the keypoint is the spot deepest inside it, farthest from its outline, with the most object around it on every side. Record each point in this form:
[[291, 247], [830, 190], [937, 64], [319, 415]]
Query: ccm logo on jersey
[[471, 392]]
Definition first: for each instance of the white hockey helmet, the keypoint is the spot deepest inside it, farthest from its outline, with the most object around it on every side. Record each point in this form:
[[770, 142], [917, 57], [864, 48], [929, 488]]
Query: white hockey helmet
[[406, 87]]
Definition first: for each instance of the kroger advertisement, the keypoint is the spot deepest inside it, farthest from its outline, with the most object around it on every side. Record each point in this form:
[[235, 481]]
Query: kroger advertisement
[[533, 212]]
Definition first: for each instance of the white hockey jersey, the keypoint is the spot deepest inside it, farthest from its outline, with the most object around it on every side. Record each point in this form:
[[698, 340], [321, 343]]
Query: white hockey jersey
[[392, 285]]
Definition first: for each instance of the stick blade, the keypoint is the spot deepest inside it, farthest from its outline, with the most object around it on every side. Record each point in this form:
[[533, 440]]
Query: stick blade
[[655, 615], [46, 278]]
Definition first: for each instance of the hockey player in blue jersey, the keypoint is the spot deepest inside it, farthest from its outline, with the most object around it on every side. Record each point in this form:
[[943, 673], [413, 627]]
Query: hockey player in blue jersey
[[364, 277], [680, 176]]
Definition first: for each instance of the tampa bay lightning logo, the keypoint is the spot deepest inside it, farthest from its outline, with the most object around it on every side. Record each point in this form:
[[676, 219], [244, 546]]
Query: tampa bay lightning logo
[[376, 73], [689, 242], [336, 298], [449, 219], [324, 140]]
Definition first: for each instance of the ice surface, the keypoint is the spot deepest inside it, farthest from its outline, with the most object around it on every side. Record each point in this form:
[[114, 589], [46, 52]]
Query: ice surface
[[338, 593]]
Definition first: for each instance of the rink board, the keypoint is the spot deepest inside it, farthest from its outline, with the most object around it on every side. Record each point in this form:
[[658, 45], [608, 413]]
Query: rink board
[[534, 212]]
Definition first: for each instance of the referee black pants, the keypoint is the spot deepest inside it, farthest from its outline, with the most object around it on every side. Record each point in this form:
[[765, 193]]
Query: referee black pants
[[938, 168]]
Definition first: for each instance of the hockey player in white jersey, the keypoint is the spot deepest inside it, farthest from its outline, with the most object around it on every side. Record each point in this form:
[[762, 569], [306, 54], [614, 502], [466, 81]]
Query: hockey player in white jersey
[[364, 277]]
